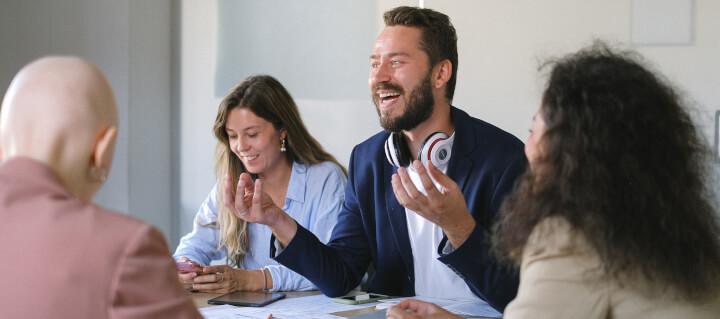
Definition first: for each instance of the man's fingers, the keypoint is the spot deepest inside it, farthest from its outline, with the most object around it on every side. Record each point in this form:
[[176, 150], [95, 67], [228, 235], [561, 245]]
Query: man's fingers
[[399, 190], [425, 179], [446, 183], [412, 192]]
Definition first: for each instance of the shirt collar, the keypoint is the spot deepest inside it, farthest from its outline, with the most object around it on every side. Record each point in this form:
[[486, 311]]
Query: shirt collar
[[298, 180]]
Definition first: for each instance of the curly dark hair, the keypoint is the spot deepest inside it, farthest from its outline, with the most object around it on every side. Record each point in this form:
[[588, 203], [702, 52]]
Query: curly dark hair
[[438, 40], [623, 163]]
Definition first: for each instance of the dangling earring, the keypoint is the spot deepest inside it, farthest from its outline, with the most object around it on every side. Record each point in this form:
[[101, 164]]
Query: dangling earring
[[282, 146]]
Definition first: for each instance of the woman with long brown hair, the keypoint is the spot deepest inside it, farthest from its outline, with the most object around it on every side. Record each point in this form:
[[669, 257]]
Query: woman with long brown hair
[[260, 132]]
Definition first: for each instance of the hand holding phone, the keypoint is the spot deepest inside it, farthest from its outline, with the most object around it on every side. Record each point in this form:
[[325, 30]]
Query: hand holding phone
[[189, 266], [359, 299]]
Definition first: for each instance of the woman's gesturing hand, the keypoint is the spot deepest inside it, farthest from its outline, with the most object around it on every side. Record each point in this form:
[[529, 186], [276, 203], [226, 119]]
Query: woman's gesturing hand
[[252, 205], [249, 202]]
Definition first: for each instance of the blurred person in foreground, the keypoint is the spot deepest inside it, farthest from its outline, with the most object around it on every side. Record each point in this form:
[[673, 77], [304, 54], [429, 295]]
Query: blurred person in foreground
[[614, 219], [63, 256]]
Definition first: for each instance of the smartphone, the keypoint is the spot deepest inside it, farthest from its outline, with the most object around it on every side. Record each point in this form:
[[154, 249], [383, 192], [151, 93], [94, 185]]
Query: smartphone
[[185, 267], [247, 298], [359, 299]]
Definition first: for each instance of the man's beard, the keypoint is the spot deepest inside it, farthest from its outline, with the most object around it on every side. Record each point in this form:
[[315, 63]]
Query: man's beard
[[418, 108]]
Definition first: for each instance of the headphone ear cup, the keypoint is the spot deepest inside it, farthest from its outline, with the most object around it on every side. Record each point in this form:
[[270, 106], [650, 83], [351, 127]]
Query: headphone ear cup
[[435, 148], [396, 150], [390, 150]]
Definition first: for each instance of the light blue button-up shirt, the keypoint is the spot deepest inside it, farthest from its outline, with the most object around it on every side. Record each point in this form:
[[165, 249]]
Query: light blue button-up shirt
[[314, 198]]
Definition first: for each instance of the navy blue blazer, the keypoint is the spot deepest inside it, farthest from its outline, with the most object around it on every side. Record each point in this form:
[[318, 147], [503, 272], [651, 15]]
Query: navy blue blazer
[[372, 226]]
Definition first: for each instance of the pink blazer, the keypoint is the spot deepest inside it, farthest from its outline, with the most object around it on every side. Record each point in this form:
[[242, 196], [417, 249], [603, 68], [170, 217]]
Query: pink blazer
[[61, 257]]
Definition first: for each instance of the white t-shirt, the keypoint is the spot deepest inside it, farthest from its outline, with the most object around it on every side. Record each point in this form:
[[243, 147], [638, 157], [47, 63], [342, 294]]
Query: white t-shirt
[[432, 277]]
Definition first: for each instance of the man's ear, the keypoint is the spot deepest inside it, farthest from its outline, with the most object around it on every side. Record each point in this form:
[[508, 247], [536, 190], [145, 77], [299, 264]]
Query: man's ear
[[103, 149], [442, 73]]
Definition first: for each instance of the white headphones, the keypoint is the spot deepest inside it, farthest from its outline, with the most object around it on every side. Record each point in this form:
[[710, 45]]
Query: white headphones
[[435, 148]]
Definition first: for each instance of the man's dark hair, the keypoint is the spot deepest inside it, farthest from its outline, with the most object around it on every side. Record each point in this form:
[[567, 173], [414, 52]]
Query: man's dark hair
[[438, 38]]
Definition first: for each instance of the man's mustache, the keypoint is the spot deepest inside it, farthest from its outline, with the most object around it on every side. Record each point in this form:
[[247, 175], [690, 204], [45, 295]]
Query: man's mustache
[[387, 86]]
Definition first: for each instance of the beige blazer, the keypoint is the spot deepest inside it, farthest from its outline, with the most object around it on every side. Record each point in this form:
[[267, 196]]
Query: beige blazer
[[559, 278], [61, 257]]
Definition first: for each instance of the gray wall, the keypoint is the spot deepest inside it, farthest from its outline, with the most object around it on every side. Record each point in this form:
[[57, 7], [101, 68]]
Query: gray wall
[[130, 41]]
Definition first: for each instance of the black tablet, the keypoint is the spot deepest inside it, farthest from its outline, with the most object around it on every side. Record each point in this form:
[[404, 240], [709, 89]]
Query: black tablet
[[247, 298]]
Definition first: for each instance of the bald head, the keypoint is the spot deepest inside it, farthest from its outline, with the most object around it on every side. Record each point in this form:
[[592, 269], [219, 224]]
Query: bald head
[[56, 110]]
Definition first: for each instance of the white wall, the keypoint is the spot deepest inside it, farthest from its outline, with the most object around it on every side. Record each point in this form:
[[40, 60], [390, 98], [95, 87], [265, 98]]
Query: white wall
[[150, 49], [130, 42], [197, 106], [501, 42]]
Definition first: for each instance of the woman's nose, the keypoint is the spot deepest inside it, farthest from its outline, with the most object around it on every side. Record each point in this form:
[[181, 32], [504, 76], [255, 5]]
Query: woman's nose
[[240, 145]]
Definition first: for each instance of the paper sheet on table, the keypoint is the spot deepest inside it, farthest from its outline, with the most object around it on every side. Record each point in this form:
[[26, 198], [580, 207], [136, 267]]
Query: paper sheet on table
[[463, 308], [311, 307]]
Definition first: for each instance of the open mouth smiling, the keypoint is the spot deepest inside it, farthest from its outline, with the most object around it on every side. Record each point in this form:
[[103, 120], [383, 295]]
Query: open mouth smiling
[[385, 98]]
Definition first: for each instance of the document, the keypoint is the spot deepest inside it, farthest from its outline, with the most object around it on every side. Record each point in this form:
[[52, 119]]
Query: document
[[311, 307]]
